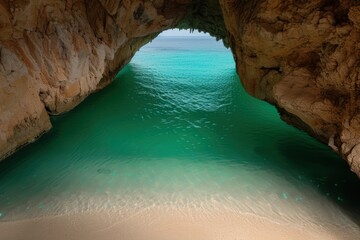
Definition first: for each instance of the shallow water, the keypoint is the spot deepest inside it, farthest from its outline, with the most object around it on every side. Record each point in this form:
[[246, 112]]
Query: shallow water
[[177, 130]]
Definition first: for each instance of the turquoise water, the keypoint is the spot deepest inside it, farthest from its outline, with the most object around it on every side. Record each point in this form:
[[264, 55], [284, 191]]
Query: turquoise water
[[177, 128]]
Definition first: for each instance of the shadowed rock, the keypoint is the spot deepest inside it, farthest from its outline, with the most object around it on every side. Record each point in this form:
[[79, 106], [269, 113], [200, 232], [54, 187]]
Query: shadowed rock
[[301, 56]]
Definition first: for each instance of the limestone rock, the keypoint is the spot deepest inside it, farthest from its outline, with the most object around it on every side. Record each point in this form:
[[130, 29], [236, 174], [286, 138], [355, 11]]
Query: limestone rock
[[301, 56], [55, 53]]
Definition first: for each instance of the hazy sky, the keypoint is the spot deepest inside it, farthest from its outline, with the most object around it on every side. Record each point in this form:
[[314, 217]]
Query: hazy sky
[[177, 32]]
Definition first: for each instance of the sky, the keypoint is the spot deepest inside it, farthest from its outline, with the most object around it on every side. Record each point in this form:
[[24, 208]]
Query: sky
[[177, 32]]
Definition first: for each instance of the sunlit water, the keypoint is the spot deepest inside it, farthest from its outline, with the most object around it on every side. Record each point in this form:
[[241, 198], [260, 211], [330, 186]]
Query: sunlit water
[[176, 129]]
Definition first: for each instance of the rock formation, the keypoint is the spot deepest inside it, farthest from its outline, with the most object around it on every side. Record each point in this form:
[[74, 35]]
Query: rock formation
[[301, 56]]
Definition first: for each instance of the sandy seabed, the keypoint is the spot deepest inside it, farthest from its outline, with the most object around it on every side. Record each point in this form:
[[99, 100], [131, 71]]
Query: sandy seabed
[[165, 224]]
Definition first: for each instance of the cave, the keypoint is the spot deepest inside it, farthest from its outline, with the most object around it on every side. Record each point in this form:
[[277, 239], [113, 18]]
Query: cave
[[293, 55], [301, 57]]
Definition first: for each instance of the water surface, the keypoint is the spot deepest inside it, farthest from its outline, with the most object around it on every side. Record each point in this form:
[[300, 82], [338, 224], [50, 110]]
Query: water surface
[[177, 129]]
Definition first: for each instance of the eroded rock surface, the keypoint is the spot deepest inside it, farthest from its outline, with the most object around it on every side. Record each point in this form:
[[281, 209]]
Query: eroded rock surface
[[301, 56], [55, 53]]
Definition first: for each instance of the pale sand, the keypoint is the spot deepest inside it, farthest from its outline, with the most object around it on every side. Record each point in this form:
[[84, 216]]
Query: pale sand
[[165, 225]]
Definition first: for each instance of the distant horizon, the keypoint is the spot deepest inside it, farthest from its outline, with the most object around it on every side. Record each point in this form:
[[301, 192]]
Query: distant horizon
[[183, 33]]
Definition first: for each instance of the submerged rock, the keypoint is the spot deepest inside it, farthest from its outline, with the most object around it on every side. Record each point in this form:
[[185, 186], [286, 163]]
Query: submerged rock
[[303, 57]]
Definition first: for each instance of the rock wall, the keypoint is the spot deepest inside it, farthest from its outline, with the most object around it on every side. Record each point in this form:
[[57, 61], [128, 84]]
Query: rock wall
[[301, 56], [55, 53]]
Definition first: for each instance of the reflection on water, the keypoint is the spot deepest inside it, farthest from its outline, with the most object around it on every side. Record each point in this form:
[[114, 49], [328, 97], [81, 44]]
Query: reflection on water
[[176, 128]]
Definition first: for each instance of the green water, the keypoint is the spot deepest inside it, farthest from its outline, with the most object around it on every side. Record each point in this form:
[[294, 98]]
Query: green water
[[176, 127]]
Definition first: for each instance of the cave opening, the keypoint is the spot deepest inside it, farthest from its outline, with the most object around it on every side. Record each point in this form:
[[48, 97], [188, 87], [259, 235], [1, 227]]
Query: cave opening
[[175, 130], [173, 147]]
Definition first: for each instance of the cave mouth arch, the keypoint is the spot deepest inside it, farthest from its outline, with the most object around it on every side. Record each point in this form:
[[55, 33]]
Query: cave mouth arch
[[78, 48], [54, 54], [210, 180], [185, 58]]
